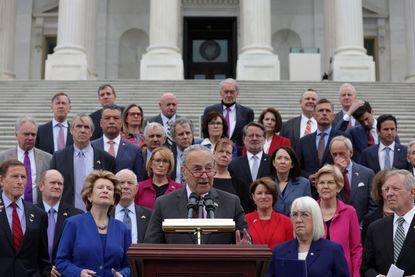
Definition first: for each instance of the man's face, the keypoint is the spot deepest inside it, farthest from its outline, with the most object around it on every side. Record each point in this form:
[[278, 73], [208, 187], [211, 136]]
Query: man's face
[[398, 197], [198, 171], [81, 131], [111, 123], [14, 182], [52, 185], [154, 138], [308, 101], [106, 96], [411, 155], [387, 132], [324, 115], [366, 120], [168, 105], [229, 93], [26, 136], [128, 186], [347, 96], [341, 154], [60, 108], [254, 139], [183, 136]]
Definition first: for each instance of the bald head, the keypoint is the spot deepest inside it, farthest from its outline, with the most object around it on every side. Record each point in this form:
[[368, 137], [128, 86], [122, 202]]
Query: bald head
[[128, 182], [51, 186], [168, 104]]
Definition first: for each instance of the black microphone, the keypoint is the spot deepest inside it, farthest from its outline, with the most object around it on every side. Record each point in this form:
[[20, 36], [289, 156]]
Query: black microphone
[[200, 207], [209, 205], [192, 204]]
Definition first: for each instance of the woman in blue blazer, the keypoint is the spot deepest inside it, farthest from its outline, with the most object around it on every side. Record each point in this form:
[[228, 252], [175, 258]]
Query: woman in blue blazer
[[322, 257], [285, 168], [94, 244]]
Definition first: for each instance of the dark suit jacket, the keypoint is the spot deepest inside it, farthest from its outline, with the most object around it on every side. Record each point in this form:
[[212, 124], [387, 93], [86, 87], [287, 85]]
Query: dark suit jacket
[[244, 115], [62, 161], [324, 258], [174, 205], [368, 219], [360, 188], [143, 216], [370, 157], [291, 129], [129, 156], [32, 259], [96, 119], [64, 212], [241, 175], [44, 138], [378, 250]]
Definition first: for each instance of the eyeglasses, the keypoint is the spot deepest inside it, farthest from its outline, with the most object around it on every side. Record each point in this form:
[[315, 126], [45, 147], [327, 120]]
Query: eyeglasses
[[134, 114], [302, 215], [198, 172], [161, 161]]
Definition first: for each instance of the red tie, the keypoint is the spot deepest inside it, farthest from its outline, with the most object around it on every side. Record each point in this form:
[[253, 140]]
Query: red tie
[[111, 149], [307, 130], [370, 138], [346, 187], [17, 232]]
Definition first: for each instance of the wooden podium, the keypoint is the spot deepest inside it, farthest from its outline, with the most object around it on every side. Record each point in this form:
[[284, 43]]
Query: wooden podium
[[207, 260]]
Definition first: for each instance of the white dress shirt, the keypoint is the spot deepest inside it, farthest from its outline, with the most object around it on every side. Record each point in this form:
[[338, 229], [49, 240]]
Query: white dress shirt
[[119, 214]]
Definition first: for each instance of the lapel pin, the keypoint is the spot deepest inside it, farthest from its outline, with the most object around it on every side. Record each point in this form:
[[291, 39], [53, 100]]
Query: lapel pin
[[398, 149], [98, 162], [65, 214], [32, 217], [143, 217], [357, 173], [312, 253]]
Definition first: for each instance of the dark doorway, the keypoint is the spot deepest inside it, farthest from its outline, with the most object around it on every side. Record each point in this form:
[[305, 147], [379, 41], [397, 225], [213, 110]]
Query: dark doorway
[[209, 48]]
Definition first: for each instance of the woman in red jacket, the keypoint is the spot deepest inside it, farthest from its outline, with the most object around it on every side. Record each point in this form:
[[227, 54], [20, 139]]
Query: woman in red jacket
[[265, 225]]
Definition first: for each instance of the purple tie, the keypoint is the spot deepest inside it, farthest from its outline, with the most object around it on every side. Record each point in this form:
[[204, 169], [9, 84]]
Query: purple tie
[[61, 137], [80, 174], [228, 121], [51, 230], [28, 195]]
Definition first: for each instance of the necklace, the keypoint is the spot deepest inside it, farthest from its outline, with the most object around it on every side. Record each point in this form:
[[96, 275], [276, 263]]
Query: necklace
[[102, 228]]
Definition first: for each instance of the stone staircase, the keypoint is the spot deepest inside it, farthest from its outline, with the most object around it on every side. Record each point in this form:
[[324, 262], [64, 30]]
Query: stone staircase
[[33, 98]]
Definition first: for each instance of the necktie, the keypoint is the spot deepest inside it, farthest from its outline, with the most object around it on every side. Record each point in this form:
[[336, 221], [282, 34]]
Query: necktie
[[168, 132], [307, 130], [51, 230], [61, 137], [17, 232], [80, 174], [370, 138], [321, 146], [350, 125], [28, 195], [111, 149], [387, 163], [255, 166], [346, 187], [398, 239], [126, 218], [228, 121], [180, 176]]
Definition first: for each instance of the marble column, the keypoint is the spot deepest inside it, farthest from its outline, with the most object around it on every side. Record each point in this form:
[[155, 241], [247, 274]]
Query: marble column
[[163, 60], [350, 61], [329, 34], [7, 38], [90, 36], [256, 60], [410, 39], [69, 60]]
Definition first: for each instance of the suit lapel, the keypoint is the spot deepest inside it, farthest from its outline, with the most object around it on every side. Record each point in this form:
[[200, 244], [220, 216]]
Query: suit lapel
[[31, 220], [263, 164], [355, 180], [141, 218], [181, 208], [398, 155], [313, 253], [63, 214], [49, 132], [246, 169], [218, 212], [297, 128], [5, 223], [98, 164], [121, 150], [288, 189], [408, 245]]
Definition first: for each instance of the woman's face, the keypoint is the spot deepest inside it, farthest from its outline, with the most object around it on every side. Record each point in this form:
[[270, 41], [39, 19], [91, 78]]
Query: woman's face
[[282, 162], [223, 155], [215, 127], [327, 187], [262, 197], [269, 122], [102, 193], [160, 165], [302, 222], [134, 117]]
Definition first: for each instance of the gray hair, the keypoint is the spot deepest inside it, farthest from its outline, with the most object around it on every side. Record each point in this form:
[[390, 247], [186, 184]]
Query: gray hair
[[126, 170], [308, 204], [180, 121], [152, 126], [346, 141], [79, 116], [22, 120], [347, 85], [409, 179], [412, 142], [193, 148], [229, 81]]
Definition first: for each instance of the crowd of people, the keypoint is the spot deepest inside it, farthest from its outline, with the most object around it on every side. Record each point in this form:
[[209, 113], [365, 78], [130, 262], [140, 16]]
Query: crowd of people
[[332, 191]]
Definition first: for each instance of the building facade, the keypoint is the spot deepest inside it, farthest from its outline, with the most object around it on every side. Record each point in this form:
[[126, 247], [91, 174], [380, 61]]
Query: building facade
[[346, 40]]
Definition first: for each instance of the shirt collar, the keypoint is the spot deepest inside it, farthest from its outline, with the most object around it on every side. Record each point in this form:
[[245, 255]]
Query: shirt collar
[[249, 155], [21, 151], [116, 140], [48, 207], [55, 123], [165, 118], [7, 201], [131, 208], [233, 107], [86, 149], [408, 216], [382, 147], [327, 131]]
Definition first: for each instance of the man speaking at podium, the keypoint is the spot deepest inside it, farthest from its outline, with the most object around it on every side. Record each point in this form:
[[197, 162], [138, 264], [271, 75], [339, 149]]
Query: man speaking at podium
[[198, 168]]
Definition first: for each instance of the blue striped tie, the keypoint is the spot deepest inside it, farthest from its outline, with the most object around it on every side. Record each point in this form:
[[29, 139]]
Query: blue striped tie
[[399, 239]]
